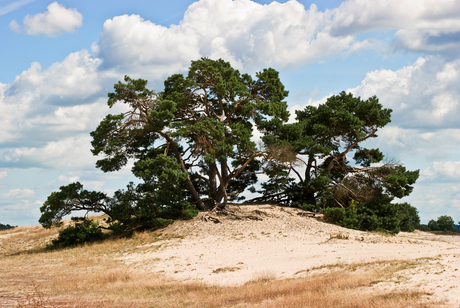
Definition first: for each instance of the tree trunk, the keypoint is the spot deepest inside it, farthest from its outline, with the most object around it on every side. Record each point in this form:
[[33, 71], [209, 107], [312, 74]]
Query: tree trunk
[[212, 176], [308, 195], [221, 193], [188, 182]]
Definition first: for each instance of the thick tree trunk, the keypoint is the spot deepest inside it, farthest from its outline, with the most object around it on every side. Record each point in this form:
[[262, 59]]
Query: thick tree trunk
[[212, 176], [188, 182], [195, 195], [225, 181], [308, 195], [220, 195]]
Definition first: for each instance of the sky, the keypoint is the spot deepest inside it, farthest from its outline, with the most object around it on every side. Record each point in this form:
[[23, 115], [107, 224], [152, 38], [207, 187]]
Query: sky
[[59, 60]]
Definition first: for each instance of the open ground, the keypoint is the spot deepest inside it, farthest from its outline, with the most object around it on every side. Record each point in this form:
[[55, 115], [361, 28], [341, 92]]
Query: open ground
[[276, 257]]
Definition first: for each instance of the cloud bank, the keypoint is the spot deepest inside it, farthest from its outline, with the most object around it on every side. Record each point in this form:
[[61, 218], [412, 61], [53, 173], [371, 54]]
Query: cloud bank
[[288, 35]]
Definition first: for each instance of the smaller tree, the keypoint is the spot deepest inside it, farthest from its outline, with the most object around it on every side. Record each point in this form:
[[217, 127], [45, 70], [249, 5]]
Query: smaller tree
[[444, 223], [332, 171], [137, 207]]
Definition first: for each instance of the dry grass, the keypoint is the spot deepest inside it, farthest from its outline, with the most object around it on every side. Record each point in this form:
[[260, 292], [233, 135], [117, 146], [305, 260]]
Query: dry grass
[[339, 235], [91, 276], [24, 239]]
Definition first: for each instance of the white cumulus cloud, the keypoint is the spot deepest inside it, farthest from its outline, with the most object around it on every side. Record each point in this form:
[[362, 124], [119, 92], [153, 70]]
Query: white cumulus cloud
[[64, 97], [13, 25], [72, 152], [131, 43], [56, 20], [251, 35], [75, 76], [19, 194], [243, 32], [430, 26], [68, 179], [424, 94], [448, 170], [73, 118]]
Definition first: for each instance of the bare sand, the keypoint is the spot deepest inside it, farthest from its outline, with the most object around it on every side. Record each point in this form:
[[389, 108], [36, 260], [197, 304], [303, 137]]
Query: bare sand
[[287, 244]]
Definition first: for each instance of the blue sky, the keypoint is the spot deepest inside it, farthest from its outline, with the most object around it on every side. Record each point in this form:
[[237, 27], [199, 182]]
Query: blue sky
[[59, 60]]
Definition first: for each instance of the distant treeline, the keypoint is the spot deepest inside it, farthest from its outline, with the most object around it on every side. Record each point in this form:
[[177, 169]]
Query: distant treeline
[[443, 223], [426, 228], [6, 227]]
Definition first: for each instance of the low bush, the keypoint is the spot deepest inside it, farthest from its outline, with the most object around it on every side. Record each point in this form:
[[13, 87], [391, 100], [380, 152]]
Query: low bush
[[375, 216], [81, 231]]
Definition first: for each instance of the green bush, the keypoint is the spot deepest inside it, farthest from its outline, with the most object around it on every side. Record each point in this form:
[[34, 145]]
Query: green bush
[[6, 227], [423, 228], [375, 215], [155, 203], [304, 206], [82, 231], [334, 214]]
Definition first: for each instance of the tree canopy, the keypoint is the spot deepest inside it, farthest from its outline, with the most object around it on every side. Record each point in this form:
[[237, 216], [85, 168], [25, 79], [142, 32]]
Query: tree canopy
[[196, 139], [443, 223], [324, 139], [204, 121]]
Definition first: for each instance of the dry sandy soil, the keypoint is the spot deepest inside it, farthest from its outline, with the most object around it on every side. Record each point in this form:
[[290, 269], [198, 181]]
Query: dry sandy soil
[[287, 244]]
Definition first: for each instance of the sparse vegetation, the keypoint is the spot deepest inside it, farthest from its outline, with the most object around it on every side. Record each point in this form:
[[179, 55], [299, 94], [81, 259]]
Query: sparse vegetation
[[340, 236], [91, 276]]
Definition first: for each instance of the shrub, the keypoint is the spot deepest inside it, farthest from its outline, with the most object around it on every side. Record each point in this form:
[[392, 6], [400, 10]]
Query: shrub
[[82, 231], [376, 215], [334, 214], [6, 227]]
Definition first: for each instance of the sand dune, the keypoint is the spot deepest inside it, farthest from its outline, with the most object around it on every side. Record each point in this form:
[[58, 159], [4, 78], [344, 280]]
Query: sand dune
[[287, 244]]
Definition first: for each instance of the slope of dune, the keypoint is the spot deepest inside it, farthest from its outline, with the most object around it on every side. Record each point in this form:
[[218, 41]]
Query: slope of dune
[[286, 243]]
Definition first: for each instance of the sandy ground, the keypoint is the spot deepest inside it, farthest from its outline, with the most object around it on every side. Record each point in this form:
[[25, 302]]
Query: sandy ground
[[285, 244]]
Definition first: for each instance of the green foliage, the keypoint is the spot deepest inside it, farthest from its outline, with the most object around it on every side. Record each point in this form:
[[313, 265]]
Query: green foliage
[[356, 194], [192, 149], [190, 141], [70, 198], [443, 223], [6, 227], [80, 232], [375, 216], [145, 206], [423, 228], [305, 206], [212, 110], [158, 201]]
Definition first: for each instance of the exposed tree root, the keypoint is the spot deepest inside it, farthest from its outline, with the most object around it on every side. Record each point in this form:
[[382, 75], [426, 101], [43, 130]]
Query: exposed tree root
[[233, 214]]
